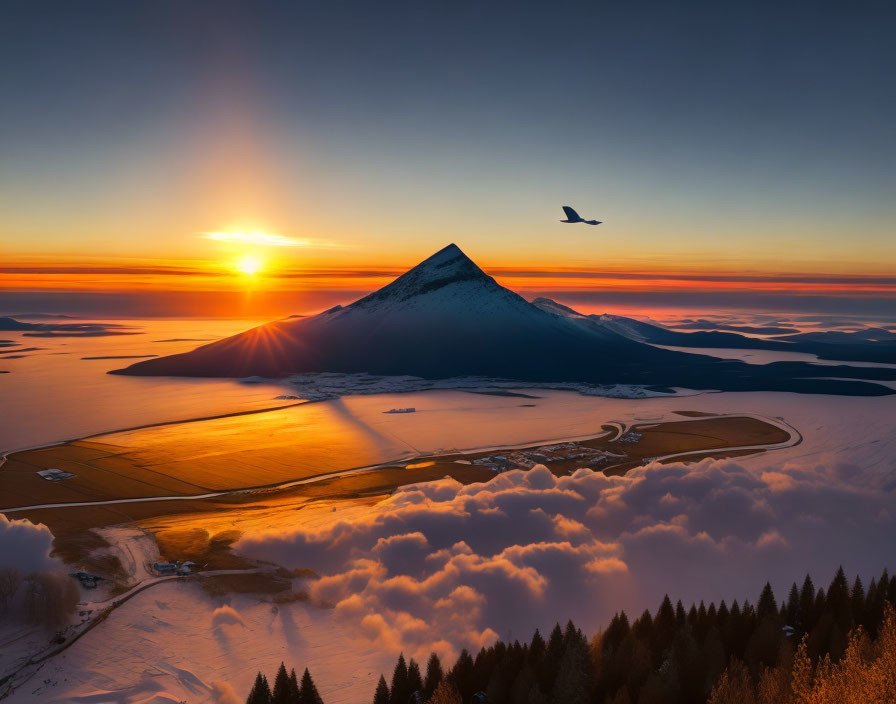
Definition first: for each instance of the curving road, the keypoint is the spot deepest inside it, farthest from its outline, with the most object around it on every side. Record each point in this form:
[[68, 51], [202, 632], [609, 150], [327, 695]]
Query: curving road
[[794, 439]]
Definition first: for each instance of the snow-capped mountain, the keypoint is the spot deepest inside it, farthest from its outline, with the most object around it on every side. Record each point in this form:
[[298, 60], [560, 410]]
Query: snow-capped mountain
[[447, 318], [444, 317]]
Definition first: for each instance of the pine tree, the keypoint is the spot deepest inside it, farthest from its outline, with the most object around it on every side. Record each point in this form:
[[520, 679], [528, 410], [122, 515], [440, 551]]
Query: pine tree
[[261, 691], [681, 617], [722, 615], [551, 663], [857, 602], [295, 696], [398, 691], [381, 696], [536, 649], [663, 630], [462, 677], [891, 591], [281, 693], [792, 610], [807, 605], [415, 682], [434, 675], [877, 604], [767, 607], [839, 602], [308, 691]]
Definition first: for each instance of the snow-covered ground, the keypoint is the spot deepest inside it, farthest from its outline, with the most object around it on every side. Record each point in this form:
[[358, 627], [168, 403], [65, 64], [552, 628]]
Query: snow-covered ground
[[172, 643], [322, 386]]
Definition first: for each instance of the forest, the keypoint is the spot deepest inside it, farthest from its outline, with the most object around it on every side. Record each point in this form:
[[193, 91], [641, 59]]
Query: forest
[[824, 646]]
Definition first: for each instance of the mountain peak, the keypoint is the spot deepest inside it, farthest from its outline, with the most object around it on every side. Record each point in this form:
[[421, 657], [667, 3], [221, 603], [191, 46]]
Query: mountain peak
[[451, 251], [447, 266]]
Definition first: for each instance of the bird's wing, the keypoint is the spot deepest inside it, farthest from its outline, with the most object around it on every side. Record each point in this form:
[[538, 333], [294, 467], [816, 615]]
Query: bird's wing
[[570, 213]]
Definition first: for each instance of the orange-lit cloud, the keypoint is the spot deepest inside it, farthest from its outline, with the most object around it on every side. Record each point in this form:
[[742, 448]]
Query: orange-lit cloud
[[264, 239]]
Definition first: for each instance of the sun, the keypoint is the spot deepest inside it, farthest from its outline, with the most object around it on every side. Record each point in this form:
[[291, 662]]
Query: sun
[[249, 265]]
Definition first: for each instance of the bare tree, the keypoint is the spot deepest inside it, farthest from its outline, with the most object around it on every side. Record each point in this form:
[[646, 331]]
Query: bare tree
[[10, 579]]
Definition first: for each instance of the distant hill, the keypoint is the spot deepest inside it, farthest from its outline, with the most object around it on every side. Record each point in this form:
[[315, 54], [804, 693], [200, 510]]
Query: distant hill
[[446, 317], [869, 345], [65, 329], [10, 324]]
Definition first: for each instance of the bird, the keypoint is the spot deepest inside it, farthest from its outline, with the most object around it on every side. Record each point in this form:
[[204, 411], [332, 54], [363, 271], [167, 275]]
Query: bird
[[572, 217]]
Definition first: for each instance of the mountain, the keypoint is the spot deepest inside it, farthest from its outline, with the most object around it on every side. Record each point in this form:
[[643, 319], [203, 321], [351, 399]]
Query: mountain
[[10, 324], [869, 345], [446, 317]]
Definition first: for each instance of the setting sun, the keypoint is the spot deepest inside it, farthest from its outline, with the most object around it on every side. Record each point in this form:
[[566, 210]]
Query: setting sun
[[249, 265]]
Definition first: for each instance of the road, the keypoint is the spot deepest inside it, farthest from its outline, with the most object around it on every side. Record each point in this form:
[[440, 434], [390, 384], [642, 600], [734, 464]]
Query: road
[[794, 439], [100, 611]]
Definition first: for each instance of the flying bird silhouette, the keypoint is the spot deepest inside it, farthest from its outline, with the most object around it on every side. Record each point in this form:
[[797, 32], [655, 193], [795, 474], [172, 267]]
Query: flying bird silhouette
[[572, 216]]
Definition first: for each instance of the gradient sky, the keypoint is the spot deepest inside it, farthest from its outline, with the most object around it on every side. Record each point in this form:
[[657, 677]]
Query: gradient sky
[[711, 138]]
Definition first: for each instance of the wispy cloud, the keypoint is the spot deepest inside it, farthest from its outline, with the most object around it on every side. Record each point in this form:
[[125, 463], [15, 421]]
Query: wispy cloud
[[265, 239]]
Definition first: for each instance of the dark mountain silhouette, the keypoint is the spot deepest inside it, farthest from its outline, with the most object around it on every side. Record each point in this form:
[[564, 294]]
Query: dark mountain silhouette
[[868, 345], [11, 324], [446, 317], [64, 329]]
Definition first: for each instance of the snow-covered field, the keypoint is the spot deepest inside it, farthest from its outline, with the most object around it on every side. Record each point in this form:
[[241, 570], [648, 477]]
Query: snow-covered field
[[172, 643], [321, 386]]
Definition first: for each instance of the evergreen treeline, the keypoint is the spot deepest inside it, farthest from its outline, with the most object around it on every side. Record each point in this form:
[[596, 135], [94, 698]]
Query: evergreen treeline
[[673, 656], [287, 689]]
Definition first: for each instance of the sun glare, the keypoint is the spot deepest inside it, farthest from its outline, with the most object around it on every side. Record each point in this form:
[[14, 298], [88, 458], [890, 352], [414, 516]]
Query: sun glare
[[249, 265]]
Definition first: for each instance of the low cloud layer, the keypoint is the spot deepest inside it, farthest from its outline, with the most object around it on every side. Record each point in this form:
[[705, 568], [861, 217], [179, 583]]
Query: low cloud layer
[[223, 693], [26, 546], [226, 616], [442, 566]]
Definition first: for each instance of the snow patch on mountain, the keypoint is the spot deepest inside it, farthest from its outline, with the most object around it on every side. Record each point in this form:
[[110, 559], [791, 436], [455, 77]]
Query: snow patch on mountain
[[328, 385], [629, 328]]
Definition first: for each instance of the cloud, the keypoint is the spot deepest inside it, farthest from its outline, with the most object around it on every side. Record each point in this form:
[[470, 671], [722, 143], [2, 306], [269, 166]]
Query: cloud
[[26, 546], [223, 693], [439, 566], [226, 616], [264, 239]]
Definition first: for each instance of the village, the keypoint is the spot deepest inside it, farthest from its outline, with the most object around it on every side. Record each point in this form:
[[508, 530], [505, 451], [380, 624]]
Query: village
[[180, 568], [545, 454]]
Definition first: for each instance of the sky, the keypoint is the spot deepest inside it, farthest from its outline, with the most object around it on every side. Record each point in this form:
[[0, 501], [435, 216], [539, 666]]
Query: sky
[[715, 140]]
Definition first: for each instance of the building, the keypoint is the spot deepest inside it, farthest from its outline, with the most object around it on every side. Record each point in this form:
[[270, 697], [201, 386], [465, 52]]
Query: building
[[171, 568], [164, 568], [87, 580], [55, 475]]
